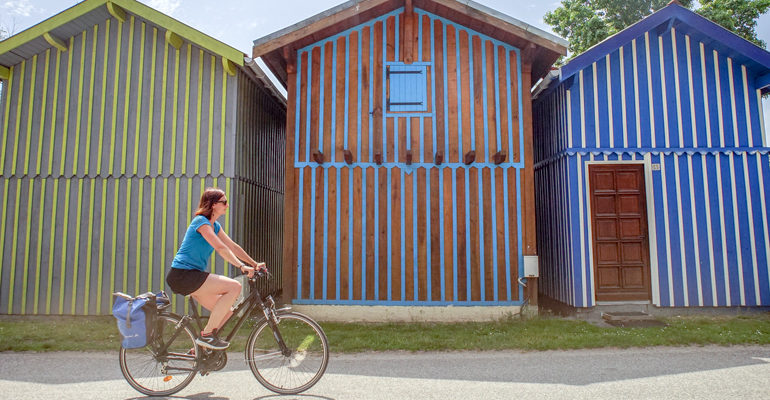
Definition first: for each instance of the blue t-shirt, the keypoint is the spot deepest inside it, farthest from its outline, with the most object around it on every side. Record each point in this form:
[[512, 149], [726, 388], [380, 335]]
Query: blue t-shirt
[[195, 251]]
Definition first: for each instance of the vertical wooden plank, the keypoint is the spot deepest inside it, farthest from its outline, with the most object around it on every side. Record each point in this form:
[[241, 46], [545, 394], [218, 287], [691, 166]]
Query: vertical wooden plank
[[391, 140], [404, 138], [435, 234], [382, 234], [302, 136], [344, 238], [474, 232], [448, 229], [395, 234], [488, 240], [423, 135], [307, 223], [466, 95], [354, 95], [491, 116], [440, 87], [328, 97], [478, 93], [502, 79], [463, 262], [408, 35], [528, 179], [499, 205], [291, 202], [318, 267], [513, 237], [358, 217], [364, 145], [514, 107], [452, 128], [377, 89], [424, 29], [419, 151], [370, 234], [339, 98], [388, 138], [315, 100], [409, 236], [426, 55], [330, 234], [422, 239]]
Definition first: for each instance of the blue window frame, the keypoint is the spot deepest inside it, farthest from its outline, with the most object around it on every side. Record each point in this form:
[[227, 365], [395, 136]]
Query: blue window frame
[[407, 87]]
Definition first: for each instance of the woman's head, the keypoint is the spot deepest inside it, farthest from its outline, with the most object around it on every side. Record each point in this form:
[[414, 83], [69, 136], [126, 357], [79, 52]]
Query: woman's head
[[212, 199]]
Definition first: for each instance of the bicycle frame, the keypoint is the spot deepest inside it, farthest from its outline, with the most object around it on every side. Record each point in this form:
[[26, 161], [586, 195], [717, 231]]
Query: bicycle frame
[[248, 302], [251, 302]]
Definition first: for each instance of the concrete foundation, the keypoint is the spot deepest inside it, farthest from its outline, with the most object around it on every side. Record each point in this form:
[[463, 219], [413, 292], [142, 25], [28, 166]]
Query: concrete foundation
[[337, 313]]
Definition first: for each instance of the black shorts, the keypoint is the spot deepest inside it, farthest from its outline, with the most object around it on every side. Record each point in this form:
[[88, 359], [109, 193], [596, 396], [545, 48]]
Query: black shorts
[[185, 281]]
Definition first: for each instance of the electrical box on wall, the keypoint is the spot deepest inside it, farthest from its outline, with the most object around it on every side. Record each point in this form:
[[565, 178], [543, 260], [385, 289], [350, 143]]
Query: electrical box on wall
[[530, 267]]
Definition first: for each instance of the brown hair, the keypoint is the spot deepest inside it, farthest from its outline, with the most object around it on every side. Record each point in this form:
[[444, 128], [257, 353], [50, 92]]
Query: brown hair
[[209, 197]]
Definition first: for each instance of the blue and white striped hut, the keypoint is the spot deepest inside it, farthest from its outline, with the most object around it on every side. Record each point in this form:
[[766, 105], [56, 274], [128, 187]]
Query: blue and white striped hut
[[652, 169]]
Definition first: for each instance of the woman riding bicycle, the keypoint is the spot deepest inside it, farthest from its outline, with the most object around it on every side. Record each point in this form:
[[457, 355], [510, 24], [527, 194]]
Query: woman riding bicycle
[[188, 274]]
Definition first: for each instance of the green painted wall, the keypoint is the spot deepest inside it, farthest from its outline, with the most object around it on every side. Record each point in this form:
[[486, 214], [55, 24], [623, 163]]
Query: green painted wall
[[104, 152]]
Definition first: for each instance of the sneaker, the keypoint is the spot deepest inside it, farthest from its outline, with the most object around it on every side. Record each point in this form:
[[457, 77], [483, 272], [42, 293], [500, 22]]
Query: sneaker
[[211, 341]]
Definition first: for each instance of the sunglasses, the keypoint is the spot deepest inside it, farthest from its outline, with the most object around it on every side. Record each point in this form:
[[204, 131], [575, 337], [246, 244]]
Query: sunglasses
[[221, 201]]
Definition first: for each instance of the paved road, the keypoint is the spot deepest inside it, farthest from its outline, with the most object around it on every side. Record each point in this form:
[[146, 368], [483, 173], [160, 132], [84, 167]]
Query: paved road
[[656, 373]]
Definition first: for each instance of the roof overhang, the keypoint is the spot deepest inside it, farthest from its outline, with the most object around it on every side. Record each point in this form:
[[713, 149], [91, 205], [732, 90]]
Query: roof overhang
[[55, 31], [543, 48]]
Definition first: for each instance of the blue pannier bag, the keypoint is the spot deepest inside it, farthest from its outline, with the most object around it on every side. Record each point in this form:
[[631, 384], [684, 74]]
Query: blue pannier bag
[[136, 317]]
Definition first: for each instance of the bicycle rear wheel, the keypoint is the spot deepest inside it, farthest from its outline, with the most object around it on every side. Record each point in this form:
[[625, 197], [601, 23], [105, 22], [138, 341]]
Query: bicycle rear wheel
[[155, 372], [302, 367]]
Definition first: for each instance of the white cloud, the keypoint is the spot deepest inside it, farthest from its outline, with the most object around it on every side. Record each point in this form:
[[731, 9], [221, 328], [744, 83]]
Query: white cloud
[[165, 6], [18, 7]]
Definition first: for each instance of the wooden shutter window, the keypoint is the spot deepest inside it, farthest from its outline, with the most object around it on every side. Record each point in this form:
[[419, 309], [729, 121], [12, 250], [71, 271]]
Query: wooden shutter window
[[407, 88]]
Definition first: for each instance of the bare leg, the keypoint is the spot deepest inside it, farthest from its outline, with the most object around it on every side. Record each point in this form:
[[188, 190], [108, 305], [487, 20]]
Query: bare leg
[[217, 295]]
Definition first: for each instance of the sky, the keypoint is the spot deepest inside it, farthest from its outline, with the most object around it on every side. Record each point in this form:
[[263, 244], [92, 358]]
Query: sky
[[239, 23]]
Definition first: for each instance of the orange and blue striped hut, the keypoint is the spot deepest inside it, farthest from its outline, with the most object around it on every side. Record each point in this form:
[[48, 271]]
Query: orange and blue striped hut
[[409, 169]]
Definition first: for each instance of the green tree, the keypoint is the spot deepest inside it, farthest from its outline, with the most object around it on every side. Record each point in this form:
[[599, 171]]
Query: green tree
[[585, 23], [739, 16]]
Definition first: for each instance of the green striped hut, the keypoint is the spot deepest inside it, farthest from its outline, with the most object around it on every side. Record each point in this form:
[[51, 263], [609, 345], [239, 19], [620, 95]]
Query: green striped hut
[[114, 117]]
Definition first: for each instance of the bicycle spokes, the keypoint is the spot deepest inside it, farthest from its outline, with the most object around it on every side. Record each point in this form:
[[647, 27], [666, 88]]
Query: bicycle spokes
[[290, 359]]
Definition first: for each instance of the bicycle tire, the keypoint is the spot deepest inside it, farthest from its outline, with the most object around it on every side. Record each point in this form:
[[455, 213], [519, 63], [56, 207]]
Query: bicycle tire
[[299, 371], [147, 372]]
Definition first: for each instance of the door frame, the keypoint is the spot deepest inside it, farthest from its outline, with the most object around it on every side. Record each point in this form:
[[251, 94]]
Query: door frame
[[646, 162]]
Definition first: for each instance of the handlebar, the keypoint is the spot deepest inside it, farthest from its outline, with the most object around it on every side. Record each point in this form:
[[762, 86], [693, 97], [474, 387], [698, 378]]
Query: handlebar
[[261, 273]]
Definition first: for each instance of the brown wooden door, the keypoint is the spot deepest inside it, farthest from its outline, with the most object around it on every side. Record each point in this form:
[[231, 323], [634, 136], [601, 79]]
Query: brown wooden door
[[619, 227]]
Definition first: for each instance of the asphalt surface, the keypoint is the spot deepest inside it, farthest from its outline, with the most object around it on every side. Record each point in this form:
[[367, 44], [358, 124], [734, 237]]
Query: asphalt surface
[[711, 372]]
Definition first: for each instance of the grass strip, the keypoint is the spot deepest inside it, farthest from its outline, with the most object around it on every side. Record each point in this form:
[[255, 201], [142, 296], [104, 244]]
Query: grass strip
[[100, 334]]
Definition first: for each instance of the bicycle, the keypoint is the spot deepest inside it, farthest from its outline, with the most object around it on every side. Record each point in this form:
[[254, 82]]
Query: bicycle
[[289, 360]]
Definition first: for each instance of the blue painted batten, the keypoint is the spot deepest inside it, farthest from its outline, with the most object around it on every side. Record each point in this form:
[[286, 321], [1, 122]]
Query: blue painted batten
[[688, 111]]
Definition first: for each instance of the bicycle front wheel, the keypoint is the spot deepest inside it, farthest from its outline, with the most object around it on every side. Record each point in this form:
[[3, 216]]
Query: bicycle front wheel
[[304, 363], [166, 365]]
